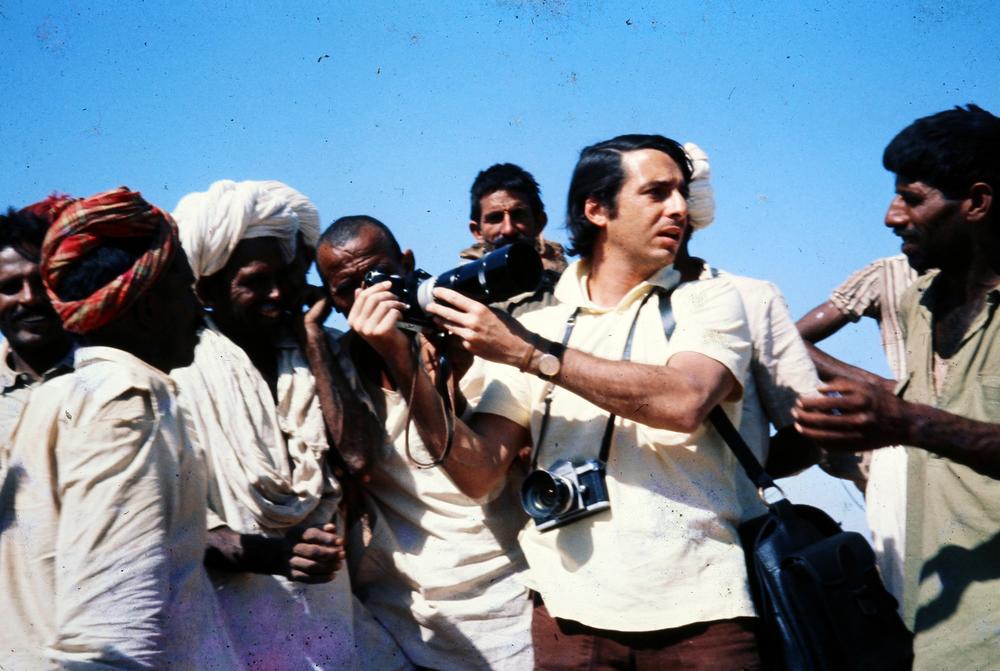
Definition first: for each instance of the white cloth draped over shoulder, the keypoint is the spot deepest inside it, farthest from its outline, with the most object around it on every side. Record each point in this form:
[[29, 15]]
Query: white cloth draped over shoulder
[[267, 459], [211, 223]]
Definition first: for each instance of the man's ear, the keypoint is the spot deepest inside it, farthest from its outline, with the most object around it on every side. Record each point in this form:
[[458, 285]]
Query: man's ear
[[596, 212], [474, 229], [541, 219], [980, 202], [407, 260]]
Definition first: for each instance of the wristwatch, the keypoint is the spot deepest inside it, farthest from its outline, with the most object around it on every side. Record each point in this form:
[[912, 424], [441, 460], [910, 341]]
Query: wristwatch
[[551, 361]]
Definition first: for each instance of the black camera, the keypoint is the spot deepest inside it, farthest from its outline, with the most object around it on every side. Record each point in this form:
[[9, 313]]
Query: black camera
[[565, 493], [499, 275]]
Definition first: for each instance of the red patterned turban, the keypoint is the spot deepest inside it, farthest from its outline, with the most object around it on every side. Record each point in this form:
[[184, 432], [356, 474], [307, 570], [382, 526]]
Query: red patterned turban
[[49, 208], [85, 225]]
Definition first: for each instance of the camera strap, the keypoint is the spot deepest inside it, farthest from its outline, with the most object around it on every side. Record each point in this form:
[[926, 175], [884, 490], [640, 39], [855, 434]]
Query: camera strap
[[609, 427]]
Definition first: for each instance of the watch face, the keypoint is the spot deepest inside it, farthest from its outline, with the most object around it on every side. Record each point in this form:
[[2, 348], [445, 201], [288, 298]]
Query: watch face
[[548, 365]]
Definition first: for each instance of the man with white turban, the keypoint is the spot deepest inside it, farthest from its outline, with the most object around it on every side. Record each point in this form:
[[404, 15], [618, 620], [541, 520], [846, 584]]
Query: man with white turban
[[780, 366], [255, 412]]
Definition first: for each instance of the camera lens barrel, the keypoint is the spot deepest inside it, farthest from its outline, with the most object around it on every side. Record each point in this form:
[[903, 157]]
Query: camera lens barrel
[[545, 495], [498, 276]]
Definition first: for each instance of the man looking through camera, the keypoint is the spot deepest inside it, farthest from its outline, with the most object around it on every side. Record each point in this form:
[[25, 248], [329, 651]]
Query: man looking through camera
[[437, 569], [658, 580]]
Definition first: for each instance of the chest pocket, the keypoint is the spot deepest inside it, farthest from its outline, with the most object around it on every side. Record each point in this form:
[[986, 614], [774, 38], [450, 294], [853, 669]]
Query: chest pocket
[[990, 386]]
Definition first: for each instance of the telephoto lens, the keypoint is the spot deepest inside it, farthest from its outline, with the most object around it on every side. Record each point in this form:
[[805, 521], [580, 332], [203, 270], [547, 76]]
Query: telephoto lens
[[498, 276]]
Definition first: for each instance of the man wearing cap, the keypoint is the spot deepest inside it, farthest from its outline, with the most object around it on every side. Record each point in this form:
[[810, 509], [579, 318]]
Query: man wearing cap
[[255, 413], [103, 528], [35, 347]]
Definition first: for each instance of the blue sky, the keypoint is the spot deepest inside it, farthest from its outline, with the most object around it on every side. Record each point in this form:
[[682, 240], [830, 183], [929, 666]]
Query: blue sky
[[390, 109]]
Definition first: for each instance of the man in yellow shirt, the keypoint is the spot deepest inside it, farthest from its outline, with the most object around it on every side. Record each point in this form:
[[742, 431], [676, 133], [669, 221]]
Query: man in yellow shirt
[[656, 579]]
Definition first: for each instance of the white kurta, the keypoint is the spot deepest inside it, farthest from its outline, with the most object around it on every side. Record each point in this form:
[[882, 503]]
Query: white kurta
[[103, 534], [268, 473], [440, 570]]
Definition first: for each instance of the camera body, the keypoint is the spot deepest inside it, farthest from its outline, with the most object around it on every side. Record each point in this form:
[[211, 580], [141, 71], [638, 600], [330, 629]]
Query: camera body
[[406, 288], [497, 276], [565, 493]]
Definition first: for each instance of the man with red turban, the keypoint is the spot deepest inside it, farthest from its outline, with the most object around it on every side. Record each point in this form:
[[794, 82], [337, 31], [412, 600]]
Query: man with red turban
[[101, 555]]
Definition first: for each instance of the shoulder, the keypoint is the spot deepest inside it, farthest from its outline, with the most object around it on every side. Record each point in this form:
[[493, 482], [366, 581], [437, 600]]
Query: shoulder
[[715, 293]]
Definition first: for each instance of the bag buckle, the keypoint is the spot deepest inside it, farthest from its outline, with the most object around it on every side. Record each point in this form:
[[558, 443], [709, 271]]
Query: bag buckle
[[762, 494]]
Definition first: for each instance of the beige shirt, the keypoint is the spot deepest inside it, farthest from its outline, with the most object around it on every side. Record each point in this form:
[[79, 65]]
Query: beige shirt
[[667, 553], [17, 381], [439, 570], [951, 559], [103, 533]]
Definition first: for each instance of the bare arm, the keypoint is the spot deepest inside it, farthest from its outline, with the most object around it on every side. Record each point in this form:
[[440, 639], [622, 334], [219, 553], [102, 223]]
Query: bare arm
[[821, 322], [353, 430], [482, 453], [311, 554], [677, 396], [866, 416]]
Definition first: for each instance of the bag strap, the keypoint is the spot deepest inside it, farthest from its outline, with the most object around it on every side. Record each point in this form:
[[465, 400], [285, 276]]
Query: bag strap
[[720, 420]]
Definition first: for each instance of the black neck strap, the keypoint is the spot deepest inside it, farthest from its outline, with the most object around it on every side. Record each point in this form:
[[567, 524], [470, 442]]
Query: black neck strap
[[609, 427]]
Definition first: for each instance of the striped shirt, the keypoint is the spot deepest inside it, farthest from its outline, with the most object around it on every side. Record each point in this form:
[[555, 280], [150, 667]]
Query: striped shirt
[[874, 291]]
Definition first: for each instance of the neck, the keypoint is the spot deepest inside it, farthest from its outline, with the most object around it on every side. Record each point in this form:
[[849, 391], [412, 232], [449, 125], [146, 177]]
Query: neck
[[968, 280], [42, 359], [612, 277]]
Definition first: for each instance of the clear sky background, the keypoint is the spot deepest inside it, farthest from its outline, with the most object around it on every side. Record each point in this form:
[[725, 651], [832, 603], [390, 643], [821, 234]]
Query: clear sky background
[[390, 109]]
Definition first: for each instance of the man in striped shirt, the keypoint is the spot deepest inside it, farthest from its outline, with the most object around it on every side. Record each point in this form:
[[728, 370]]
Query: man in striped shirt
[[873, 291]]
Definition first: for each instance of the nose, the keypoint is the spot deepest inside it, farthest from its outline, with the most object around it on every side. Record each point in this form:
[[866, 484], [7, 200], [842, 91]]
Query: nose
[[32, 291], [675, 207], [275, 292], [895, 217], [507, 228]]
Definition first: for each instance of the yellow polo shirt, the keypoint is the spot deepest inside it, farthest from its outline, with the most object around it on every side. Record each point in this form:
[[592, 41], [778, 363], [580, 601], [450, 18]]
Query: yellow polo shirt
[[666, 554]]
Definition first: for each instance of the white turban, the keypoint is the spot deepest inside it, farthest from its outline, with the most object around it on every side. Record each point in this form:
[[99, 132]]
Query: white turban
[[213, 222], [701, 195]]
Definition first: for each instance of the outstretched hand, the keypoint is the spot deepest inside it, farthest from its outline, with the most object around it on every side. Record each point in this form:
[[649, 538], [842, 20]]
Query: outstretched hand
[[853, 415], [481, 330]]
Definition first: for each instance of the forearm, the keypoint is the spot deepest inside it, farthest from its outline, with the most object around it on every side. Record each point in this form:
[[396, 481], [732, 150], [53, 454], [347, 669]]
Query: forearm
[[965, 441], [657, 396], [830, 367], [475, 463], [353, 430], [245, 553]]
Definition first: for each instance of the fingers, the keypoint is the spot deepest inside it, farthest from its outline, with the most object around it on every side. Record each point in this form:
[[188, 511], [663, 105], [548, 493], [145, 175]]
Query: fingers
[[317, 556], [375, 310]]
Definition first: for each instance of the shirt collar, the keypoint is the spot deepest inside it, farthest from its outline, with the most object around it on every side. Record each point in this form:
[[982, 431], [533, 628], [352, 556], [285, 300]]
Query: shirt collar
[[96, 353], [14, 372], [572, 287]]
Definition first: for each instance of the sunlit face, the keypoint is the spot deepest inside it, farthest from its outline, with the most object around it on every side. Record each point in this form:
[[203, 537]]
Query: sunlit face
[[929, 223], [27, 319], [651, 215], [343, 268], [505, 216], [247, 295]]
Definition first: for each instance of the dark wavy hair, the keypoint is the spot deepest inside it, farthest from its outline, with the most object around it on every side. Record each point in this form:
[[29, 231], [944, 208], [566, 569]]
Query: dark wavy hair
[[506, 177], [23, 231], [599, 175], [950, 150]]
